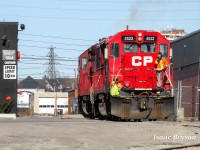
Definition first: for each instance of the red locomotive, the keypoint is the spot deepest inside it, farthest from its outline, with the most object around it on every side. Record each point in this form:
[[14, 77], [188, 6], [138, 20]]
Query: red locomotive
[[127, 58]]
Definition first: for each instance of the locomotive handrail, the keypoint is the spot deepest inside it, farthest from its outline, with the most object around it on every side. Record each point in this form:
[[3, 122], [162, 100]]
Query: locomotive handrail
[[165, 72], [98, 80]]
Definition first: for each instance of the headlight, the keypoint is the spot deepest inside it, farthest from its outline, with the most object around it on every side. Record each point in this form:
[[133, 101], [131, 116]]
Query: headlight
[[139, 39]]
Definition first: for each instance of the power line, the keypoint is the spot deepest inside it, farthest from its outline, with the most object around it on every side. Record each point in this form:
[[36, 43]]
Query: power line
[[46, 56], [64, 9], [31, 68], [47, 59], [41, 63], [28, 63], [31, 74], [125, 2], [55, 37], [52, 42], [98, 19], [89, 10], [43, 68], [40, 47]]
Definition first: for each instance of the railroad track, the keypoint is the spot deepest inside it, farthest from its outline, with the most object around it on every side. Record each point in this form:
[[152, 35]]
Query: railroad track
[[183, 146]]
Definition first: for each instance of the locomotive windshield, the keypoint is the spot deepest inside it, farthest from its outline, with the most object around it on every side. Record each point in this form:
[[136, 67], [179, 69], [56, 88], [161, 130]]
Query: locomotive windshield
[[148, 48], [130, 48]]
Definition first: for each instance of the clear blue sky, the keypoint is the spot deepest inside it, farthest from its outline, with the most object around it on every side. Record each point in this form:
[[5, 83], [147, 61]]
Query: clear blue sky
[[79, 23]]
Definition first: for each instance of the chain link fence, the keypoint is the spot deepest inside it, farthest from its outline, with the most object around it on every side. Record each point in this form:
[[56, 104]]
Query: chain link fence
[[187, 97]]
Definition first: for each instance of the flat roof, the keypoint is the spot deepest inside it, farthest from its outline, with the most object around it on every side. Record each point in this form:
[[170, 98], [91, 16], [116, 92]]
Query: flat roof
[[185, 36]]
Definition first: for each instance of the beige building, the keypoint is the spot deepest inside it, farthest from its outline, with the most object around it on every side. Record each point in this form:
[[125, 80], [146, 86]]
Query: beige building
[[172, 34], [48, 102]]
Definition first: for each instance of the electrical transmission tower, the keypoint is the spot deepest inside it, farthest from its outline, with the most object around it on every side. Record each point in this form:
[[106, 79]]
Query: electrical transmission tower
[[51, 71]]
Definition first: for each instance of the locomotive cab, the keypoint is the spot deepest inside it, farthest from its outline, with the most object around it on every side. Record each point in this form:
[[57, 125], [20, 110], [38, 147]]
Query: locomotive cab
[[134, 65]]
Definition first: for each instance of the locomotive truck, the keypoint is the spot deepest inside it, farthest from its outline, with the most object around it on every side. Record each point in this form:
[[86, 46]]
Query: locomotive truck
[[9, 56], [128, 56]]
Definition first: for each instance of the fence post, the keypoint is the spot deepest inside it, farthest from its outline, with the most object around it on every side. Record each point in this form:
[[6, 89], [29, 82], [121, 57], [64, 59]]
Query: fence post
[[180, 97], [177, 96]]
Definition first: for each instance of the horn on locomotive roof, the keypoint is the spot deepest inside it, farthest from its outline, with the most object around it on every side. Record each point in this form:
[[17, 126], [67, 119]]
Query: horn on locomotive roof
[[126, 27]]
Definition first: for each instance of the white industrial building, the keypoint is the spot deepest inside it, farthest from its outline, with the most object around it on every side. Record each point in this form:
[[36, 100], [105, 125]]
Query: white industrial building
[[48, 102]]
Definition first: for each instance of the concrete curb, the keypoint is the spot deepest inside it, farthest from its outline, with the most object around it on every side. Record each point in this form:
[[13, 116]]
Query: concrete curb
[[72, 117], [8, 116]]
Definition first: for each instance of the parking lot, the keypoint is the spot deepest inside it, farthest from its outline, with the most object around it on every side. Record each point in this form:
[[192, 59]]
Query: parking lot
[[54, 133]]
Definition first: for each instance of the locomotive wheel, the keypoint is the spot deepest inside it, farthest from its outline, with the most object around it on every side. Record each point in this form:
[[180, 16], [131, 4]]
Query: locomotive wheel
[[87, 109], [83, 113], [101, 117], [137, 120], [96, 109]]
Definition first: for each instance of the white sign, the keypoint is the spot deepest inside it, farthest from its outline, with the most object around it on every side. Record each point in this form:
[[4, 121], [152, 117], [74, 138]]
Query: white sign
[[9, 72], [23, 100], [139, 61], [9, 62], [9, 54]]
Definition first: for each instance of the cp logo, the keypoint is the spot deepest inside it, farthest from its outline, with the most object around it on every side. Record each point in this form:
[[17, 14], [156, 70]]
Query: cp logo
[[141, 61]]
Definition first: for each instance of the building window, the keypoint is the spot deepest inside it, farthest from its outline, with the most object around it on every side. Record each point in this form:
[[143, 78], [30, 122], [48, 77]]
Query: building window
[[164, 50], [114, 50], [84, 63], [62, 106]]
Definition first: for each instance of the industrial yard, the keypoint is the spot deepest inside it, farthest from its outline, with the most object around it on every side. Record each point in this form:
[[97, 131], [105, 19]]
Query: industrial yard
[[100, 75], [55, 133]]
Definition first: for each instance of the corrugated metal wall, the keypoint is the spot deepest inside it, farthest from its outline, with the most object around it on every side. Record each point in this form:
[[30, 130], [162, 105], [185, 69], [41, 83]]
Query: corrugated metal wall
[[186, 51]]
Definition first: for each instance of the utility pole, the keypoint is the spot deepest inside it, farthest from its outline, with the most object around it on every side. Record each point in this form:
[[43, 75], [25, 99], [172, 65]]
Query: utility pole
[[51, 71], [75, 79], [56, 106]]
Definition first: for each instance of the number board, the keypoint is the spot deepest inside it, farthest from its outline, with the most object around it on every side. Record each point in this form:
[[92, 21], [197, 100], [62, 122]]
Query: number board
[[128, 38], [150, 38]]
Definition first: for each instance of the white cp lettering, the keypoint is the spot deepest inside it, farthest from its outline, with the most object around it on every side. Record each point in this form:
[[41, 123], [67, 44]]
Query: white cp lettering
[[139, 61]]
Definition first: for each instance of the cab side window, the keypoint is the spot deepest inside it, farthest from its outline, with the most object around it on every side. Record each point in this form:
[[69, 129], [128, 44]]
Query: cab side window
[[98, 58], [164, 50], [84, 63], [114, 50]]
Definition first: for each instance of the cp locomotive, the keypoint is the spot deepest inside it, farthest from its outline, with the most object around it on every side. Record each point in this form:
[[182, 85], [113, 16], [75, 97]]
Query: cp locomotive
[[128, 58]]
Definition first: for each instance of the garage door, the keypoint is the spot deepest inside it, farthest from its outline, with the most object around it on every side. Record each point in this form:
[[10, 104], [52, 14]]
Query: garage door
[[47, 105], [63, 104]]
